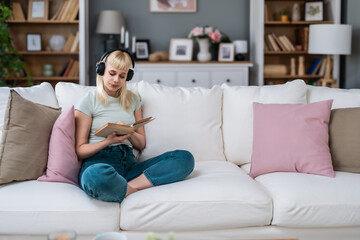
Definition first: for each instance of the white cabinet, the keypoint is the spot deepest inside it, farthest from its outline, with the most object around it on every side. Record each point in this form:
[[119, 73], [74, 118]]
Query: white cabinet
[[193, 74]]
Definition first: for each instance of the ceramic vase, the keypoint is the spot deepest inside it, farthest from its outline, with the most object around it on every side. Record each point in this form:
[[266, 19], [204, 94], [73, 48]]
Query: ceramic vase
[[204, 54], [295, 12], [48, 70], [57, 42]]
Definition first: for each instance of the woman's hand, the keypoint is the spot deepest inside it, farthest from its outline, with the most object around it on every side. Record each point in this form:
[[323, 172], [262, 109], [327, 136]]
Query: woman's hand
[[113, 138]]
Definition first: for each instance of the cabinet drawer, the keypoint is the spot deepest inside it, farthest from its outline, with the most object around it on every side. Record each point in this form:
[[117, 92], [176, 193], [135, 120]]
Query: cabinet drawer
[[193, 79], [231, 78], [164, 78]]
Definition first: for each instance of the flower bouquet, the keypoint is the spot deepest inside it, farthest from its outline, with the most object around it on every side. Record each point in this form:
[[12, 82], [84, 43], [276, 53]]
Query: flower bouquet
[[206, 32], [213, 34]]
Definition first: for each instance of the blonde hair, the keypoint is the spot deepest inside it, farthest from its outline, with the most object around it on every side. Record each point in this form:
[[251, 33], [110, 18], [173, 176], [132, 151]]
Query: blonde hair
[[120, 60]]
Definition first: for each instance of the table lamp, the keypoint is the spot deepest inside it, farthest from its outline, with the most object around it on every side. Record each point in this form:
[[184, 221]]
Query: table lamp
[[329, 39], [241, 48], [110, 23]]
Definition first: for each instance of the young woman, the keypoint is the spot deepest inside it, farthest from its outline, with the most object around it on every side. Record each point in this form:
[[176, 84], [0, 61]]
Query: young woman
[[109, 171]]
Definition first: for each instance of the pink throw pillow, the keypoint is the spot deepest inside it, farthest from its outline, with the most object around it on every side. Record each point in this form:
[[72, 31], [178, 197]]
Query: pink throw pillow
[[63, 164], [291, 138]]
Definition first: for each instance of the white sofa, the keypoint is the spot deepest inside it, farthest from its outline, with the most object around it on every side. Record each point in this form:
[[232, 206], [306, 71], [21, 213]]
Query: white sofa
[[219, 200]]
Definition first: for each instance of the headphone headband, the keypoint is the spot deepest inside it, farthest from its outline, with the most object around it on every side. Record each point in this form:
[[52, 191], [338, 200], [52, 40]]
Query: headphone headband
[[119, 49], [100, 66]]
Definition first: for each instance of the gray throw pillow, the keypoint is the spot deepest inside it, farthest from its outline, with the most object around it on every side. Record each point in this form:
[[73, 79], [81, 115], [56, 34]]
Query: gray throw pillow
[[25, 140]]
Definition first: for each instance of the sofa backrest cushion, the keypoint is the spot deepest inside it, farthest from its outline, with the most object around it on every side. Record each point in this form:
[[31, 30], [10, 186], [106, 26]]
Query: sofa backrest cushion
[[43, 94], [238, 114], [25, 140], [68, 94], [185, 118], [343, 98]]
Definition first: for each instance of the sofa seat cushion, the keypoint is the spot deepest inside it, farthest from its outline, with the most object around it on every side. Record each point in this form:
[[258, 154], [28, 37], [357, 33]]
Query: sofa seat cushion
[[217, 195], [34, 207], [304, 200]]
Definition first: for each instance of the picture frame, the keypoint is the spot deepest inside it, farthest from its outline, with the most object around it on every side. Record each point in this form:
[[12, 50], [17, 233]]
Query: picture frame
[[226, 52], [33, 42], [38, 10], [181, 49], [314, 11], [173, 6], [142, 49]]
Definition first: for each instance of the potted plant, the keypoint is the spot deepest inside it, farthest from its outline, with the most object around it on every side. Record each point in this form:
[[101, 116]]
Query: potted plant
[[10, 62], [284, 15]]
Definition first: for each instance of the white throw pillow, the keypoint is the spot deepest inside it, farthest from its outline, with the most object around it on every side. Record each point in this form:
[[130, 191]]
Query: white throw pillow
[[185, 118], [238, 114], [43, 94]]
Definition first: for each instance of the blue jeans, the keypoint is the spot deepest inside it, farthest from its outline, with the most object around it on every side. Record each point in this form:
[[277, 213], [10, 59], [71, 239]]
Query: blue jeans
[[104, 175]]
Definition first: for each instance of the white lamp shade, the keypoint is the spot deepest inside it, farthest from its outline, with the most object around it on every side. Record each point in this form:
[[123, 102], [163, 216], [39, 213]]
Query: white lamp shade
[[110, 22], [241, 46], [330, 39]]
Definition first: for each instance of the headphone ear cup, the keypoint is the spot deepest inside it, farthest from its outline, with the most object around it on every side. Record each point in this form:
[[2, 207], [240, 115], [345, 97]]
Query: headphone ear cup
[[100, 68], [130, 75]]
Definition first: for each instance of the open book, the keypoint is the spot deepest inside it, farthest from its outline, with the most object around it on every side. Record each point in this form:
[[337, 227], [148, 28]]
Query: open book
[[108, 128]]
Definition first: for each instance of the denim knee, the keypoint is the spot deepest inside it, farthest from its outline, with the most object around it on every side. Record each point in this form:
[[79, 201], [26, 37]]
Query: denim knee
[[187, 161], [102, 182]]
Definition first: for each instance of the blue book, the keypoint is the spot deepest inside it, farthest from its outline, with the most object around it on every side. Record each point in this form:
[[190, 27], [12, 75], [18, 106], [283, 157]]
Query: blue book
[[314, 66]]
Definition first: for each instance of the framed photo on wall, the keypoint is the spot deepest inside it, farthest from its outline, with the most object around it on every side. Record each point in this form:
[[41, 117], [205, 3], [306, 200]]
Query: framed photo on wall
[[142, 49], [38, 10], [33, 42], [226, 52], [314, 11], [180, 49], [168, 6]]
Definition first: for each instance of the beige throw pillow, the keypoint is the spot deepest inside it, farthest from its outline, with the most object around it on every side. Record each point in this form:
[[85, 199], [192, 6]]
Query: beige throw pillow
[[345, 139], [25, 139]]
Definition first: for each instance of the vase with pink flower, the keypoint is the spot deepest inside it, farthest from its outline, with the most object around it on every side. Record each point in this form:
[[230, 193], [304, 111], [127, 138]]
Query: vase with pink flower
[[208, 39]]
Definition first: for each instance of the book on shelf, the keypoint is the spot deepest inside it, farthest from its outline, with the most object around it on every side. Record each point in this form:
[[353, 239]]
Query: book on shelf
[[68, 67], [69, 43], [74, 70], [277, 40], [109, 128], [56, 15], [67, 11], [289, 46], [322, 69], [75, 43], [73, 11], [273, 43], [305, 39], [18, 13], [315, 66], [269, 44], [61, 73]]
